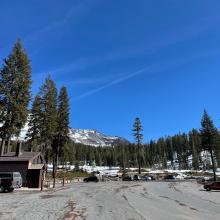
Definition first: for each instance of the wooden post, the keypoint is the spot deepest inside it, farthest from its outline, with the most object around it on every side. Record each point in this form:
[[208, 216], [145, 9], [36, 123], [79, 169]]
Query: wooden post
[[42, 183], [2, 147], [54, 173], [213, 164]]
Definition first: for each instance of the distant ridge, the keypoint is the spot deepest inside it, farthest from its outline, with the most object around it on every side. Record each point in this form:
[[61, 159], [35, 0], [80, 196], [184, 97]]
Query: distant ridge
[[90, 137], [95, 138]]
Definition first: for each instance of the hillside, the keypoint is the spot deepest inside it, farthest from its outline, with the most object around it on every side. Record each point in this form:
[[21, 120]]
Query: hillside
[[86, 136]]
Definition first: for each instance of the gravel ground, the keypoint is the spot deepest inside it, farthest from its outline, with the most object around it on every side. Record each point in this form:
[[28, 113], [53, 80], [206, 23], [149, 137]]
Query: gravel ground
[[114, 200]]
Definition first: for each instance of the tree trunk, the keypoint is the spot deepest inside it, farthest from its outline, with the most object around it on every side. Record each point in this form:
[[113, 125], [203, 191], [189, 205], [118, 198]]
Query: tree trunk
[[9, 145], [42, 181], [139, 167], [139, 161], [54, 173], [55, 164], [30, 146], [2, 147], [213, 165]]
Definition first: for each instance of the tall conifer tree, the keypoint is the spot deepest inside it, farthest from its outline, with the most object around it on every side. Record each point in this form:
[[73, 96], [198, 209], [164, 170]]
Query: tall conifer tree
[[35, 124], [137, 129], [195, 142], [15, 82], [63, 120], [48, 95], [62, 133], [209, 136]]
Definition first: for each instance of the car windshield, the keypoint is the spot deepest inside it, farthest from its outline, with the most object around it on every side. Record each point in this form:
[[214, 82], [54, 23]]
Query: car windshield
[[5, 175]]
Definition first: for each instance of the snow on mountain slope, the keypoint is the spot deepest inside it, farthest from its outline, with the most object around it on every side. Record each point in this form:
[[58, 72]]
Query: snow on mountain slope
[[94, 138], [84, 136]]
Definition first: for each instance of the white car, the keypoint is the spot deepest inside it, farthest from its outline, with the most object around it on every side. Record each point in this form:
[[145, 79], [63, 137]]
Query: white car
[[180, 176]]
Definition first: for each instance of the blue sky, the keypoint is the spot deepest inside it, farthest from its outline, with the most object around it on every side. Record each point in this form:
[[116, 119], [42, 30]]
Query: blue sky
[[121, 59]]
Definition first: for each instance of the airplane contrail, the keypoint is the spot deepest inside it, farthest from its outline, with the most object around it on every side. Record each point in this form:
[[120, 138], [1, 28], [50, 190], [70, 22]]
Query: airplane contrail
[[114, 82], [156, 67]]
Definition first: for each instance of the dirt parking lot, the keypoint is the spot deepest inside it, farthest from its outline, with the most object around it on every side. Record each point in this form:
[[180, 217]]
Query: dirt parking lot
[[114, 200]]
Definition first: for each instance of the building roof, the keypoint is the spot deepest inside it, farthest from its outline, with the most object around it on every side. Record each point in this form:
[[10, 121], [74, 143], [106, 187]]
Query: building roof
[[24, 156]]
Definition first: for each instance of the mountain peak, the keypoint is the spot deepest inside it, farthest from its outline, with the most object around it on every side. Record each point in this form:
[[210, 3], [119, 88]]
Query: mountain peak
[[94, 138], [90, 137]]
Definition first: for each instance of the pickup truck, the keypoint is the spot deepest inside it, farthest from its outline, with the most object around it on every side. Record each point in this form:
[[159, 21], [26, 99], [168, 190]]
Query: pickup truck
[[9, 181], [212, 186]]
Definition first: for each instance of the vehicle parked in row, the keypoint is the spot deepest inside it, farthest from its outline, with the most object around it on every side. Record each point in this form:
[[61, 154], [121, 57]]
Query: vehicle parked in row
[[126, 178], [212, 186], [180, 176], [9, 181], [169, 177], [148, 177], [91, 179], [136, 177], [112, 178]]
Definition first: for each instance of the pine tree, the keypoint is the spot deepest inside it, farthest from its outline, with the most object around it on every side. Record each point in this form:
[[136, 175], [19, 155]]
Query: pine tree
[[209, 135], [137, 129], [217, 150], [62, 133], [63, 120], [48, 95], [195, 142], [170, 152], [35, 124], [15, 82]]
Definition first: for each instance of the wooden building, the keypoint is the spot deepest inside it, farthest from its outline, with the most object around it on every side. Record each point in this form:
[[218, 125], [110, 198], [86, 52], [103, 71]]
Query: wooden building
[[31, 165]]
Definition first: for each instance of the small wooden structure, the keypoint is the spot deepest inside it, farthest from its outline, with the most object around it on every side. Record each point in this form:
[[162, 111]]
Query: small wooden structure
[[31, 165]]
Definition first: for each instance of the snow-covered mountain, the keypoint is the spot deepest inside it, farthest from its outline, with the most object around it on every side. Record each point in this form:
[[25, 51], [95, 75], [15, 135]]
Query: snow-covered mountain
[[94, 138], [84, 136]]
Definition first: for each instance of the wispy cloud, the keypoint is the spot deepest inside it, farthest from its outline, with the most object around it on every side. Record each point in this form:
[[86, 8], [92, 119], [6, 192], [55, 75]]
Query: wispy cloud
[[75, 13], [154, 68], [70, 67], [152, 46], [112, 83], [161, 42]]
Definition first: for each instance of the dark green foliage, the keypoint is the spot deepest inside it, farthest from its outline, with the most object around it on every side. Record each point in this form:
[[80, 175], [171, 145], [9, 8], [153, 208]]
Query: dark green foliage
[[35, 124], [62, 137], [195, 145], [48, 95], [15, 82], [137, 129], [209, 134], [156, 154]]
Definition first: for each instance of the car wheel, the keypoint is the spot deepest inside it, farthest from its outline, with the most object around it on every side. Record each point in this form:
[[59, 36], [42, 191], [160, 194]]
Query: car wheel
[[2, 189], [208, 189], [11, 190]]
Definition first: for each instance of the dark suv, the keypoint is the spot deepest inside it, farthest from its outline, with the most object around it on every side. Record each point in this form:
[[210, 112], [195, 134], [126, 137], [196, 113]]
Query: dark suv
[[91, 179], [169, 177], [9, 181], [126, 178]]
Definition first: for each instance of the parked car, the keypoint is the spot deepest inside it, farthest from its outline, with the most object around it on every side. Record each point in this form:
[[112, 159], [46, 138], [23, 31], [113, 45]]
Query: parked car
[[180, 176], [112, 178], [148, 177], [190, 177], [9, 181], [169, 177], [136, 177], [212, 186], [91, 179], [126, 178]]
